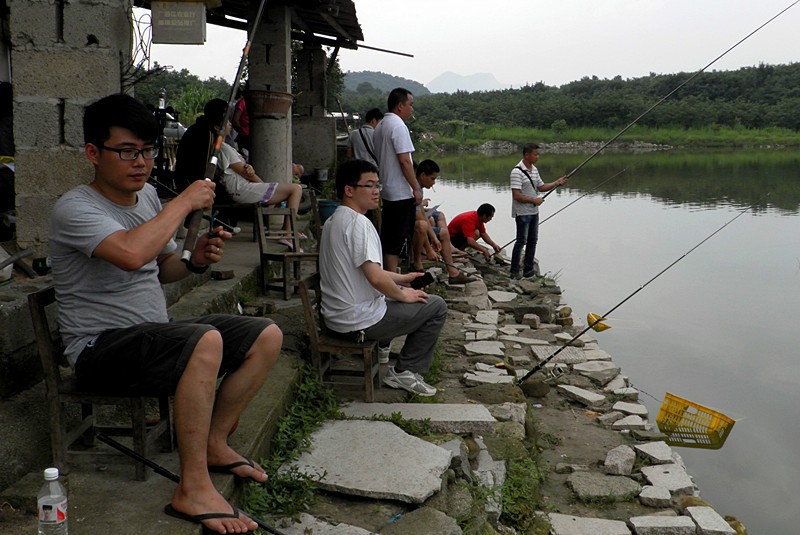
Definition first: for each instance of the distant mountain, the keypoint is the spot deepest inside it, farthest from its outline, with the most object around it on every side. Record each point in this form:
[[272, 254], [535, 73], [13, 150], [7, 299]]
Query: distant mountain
[[381, 81], [450, 82]]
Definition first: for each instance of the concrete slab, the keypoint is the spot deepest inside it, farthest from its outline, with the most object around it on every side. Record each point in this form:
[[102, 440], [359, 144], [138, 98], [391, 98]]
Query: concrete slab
[[595, 354], [662, 525], [591, 486], [507, 330], [473, 326], [524, 340], [485, 347], [709, 522], [581, 395], [619, 461], [653, 496], [499, 296], [443, 417], [630, 422], [509, 412], [490, 317], [631, 408], [576, 525], [309, 525], [564, 338], [568, 355], [670, 476], [656, 452], [362, 458], [600, 372], [478, 378]]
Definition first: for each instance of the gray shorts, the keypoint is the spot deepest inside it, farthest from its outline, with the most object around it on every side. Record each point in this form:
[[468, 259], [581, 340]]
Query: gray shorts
[[150, 358]]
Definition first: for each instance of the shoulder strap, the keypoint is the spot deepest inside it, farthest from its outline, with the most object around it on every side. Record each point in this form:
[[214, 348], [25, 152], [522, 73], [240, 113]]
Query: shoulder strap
[[366, 144], [527, 174]]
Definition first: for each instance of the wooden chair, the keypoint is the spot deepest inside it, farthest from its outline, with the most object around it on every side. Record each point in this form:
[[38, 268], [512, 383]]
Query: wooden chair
[[291, 261], [62, 389], [324, 346]]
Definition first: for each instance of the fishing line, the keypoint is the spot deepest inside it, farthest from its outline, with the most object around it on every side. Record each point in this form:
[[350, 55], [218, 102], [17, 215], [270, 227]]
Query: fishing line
[[231, 229], [573, 202], [160, 470], [642, 287], [196, 217], [665, 97]]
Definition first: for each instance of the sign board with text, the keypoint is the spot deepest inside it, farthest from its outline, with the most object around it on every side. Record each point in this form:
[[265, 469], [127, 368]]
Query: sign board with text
[[179, 23]]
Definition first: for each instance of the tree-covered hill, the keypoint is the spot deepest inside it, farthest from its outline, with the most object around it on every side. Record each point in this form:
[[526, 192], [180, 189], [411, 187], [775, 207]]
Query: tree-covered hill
[[750, 97], [366, 82]]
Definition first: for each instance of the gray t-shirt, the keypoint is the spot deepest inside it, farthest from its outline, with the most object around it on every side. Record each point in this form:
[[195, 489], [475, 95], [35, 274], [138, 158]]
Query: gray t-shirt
[[94, 295]]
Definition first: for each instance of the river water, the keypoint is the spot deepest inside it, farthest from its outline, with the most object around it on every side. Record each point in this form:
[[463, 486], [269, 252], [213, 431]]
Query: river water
[[718, 328]]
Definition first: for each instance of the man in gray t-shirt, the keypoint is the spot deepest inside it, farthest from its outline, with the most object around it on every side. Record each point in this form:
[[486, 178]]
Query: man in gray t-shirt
[[111, 248]]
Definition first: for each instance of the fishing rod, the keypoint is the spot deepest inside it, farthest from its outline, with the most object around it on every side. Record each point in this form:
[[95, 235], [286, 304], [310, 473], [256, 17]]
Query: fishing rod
[[197, 216], [665, 97], [229, 228], [570, 204], [642, 287], [160, 470]]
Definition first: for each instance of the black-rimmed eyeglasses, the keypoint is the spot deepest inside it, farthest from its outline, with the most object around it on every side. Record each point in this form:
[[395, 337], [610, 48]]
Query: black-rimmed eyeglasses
[[148, 153], [376, 186]]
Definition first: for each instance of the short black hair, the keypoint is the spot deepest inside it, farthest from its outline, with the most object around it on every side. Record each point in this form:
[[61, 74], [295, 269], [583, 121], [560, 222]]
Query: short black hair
[[426, 166], [485, 209], [397, 96], [214, 110], [374, 113], [349, 173], [122, 111], [530, 147]]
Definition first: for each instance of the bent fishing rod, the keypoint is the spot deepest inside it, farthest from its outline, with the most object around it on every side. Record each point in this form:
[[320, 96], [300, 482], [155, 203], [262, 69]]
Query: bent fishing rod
[[639, 289], [160, 470], [197, 216], [665, 97], [570, 204]]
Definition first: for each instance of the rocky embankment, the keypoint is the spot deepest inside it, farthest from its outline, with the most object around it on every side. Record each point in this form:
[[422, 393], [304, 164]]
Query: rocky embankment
[[571, 451]]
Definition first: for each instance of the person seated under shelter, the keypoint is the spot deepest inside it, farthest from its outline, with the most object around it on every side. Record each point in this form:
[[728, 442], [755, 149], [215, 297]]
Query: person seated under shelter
[[242, 184], [361, 300], [111, 248]]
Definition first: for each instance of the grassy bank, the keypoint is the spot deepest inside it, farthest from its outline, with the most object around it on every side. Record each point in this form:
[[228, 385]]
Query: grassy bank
[[472, 136]]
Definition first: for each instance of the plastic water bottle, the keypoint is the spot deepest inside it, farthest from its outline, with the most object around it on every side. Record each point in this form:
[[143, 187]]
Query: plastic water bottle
[[52, 505]]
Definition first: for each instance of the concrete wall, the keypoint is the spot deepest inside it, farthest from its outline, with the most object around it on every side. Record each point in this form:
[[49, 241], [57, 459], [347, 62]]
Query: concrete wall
[[314, 142], [64, 55]]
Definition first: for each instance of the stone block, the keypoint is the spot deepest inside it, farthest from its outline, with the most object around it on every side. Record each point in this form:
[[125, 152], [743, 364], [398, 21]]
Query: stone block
[[591, 487], [662, 525], [33, 221], [103, 24], [499, 296], [631, 408], [532, 320], [630, 422], [653, 496], [306, 523], [655, 452], [619, 461], [37, 123], [443, 417], [566, 338], [576, 525], [709, 522], [485, 347], [670, 476], [581, 395], [598, 371], [423, 520], [488, 317], [73, 121], [86, 73], [608, 419], [564, 322], [595, 354], [50, 172], [32, 24]]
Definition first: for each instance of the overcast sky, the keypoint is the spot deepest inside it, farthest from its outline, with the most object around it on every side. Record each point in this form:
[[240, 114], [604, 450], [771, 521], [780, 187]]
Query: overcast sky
[[529, 41]]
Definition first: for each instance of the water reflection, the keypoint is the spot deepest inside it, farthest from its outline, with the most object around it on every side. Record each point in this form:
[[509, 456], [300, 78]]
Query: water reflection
[[719, 327], [758, 178]]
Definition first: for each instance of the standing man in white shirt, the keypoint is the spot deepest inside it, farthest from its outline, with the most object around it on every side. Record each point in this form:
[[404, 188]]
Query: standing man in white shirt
[[525, 187], [401, 191], [359, 144]]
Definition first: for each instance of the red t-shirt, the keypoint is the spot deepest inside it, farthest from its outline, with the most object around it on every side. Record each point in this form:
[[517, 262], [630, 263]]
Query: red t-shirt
[[466, 224], [244, 119]]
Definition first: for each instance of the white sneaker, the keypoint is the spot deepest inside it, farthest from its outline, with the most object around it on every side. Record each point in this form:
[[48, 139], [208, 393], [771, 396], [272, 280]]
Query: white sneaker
[[407, 380], [383, 354]]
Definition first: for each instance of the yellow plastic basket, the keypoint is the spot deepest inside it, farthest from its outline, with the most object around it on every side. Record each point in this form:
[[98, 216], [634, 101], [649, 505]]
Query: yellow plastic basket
[[689, 424]]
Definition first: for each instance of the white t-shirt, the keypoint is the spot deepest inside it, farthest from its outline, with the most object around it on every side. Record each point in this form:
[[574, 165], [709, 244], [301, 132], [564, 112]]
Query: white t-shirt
[[520, 181], [238, 187], [349, 301], [391, 138]]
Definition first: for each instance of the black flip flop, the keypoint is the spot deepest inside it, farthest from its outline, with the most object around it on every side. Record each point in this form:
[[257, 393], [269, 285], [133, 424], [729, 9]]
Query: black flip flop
[[228, 469], [198, 519]]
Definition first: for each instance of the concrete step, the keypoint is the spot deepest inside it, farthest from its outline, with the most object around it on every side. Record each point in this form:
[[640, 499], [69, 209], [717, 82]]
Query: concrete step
[[106, 499]]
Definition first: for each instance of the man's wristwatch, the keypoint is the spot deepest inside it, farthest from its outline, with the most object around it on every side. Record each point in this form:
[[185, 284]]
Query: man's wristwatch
[[196, 269]]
